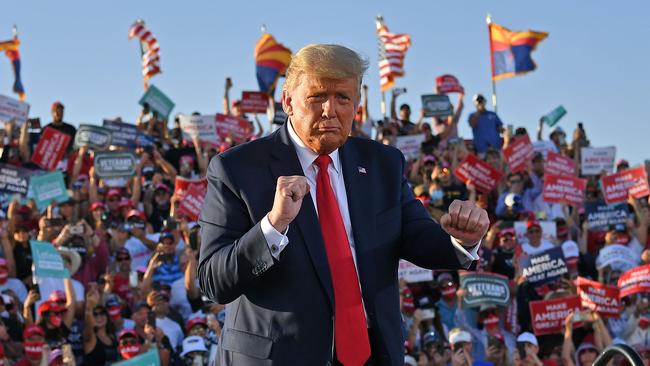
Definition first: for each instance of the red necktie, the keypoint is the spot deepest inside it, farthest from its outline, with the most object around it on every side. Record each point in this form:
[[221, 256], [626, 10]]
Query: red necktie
[[350, 329]]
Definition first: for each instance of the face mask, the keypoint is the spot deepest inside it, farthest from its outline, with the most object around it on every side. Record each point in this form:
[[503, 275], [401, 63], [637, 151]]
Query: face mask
[[55, 320], [4, 276], [34, 350], [644, 322], [449, 293], [129, 351], [491, 322]]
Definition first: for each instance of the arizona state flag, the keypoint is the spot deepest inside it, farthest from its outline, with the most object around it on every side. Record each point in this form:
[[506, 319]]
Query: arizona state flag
[[510, 51], [271, 62], [11, 49]]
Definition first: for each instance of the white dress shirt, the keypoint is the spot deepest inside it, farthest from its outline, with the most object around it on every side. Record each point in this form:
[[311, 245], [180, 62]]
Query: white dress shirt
[[278, 241]]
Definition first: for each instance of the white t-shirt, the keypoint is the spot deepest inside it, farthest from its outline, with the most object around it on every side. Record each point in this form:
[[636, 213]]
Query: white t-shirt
[[49, 285], [179, 298], [17, 286], [172, 330], [531, 250], [140, 254]]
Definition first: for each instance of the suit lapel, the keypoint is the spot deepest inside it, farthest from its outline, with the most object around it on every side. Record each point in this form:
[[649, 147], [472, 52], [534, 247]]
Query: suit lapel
[[286, 163]]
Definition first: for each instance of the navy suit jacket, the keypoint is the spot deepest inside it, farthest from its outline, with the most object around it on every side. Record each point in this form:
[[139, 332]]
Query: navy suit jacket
[[281, 312]]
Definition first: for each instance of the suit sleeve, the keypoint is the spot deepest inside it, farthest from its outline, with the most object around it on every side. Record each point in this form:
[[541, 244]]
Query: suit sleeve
[[424, 243], [234, 252]]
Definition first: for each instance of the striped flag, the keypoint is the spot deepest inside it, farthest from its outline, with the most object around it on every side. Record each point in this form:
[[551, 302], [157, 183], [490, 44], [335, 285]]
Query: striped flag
[[271, 61], [11, 50], [150, 50], [392, 50], [511, 52]]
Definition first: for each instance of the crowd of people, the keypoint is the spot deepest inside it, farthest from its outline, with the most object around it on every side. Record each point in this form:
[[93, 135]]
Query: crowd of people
[[132, 255]]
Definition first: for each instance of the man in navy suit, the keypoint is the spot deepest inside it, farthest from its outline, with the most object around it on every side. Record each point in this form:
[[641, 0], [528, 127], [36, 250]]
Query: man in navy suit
[[302, 231]]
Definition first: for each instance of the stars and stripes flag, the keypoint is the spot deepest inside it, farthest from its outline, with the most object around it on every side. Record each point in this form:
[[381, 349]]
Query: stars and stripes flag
[[392, 50], [11, 49], [150, 50]]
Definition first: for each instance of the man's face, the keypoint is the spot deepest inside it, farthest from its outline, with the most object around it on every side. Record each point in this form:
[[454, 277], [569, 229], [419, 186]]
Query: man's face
[[57, 114], [322, 110], [480, 105], [534, 235], [405, 113]]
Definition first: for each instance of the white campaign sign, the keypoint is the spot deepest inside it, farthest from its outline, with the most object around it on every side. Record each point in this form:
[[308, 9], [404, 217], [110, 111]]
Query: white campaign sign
[[597, 159], [412, 273], [410, 145], [204, 127], [549, 230], [12, 109]]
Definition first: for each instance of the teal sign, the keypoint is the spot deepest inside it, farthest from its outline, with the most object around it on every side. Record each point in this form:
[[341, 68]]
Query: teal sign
[[47, 187], [149, 358], [47, 261], [552, 118], [157, 101]]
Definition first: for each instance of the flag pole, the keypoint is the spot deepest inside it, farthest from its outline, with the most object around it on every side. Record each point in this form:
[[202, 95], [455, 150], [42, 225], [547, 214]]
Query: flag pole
[[383, 105], [488, 19], [146, 85], [379, 22]]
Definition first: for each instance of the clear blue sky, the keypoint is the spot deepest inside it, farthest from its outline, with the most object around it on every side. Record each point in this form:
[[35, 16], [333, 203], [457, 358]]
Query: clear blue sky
[[595, 61]]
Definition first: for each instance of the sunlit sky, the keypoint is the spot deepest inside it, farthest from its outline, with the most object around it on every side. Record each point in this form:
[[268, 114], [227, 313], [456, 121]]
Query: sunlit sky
[[594, 63]]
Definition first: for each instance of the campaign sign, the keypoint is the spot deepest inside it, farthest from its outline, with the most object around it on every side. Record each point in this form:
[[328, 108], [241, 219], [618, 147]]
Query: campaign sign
[[544, 267], [484, 288], [412, 273], [595, 160], [557, 164], [114, 164], [482, 175], [410, 145], [548, 315], [203, 127], [238, 129], [13, 110], [564, 189], [158, 101], [182, 185], [448, 84], [192, 201], [636, 280], [254, 102], [601, 216], [544, 147], [553, 117], [617, 187], [518, 153], [13, 180], [549, 230], [47, 262], [95, 137], [618, 257], [599, 297], [436, 105], [149, 358], [123, 134], [280, 115], [46, 188], [50, 149]]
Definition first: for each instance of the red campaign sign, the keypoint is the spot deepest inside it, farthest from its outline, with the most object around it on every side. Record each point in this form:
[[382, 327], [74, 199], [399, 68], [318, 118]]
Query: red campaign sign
[[634, 281], [448, 84], [193, 201], [564, 189], [557, 164], [548, 315], [182, 185], [519, 153], [599, 297], [238, 128], [631, 181], [254, 102], [50, 149], [483, 175]]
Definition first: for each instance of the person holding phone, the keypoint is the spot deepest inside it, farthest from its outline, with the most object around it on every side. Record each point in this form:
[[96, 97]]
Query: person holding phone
[[99, 341], [461, 346], [527, 350]]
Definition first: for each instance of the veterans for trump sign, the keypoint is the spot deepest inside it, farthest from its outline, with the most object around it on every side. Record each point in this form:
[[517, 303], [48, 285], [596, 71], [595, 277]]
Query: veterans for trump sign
[[617, 187], [115, 164], [548, 315], [482, 175], [484, 288], [564, 189], [599, 297], [94, 137], [544, 267]]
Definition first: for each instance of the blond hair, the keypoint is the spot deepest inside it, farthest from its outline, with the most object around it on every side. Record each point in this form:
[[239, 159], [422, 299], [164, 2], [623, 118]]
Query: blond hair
[[325, 60]]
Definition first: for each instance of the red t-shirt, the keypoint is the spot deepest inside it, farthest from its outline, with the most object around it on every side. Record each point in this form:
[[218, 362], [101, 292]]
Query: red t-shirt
[[122, 289]]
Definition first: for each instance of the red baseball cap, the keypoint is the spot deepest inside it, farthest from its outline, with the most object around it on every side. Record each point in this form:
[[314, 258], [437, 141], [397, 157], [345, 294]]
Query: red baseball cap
[[163, 187], [125, 203], [532, 224], [97, 205], [32, 330], [50, 306], [127, 332], [508, 231], [136, 213], [57, 104], [113, 192], [194, 321], [57, 296]]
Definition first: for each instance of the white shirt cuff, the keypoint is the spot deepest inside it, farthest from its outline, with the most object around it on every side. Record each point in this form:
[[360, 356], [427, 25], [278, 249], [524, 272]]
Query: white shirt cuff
[[274, 239], [465, 257]]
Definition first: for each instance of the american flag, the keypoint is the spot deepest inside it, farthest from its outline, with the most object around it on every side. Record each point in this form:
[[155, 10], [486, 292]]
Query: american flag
[[150, 50], [392, 49]]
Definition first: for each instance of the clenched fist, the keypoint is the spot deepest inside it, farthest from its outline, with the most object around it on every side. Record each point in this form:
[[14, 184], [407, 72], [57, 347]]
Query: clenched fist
[[465, 221], [289, 192]]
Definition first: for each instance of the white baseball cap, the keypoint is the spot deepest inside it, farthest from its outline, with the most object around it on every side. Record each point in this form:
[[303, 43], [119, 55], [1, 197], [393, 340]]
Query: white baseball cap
[[570, 249], [193, 344], [458, 335], [409, 360], [527, 337]]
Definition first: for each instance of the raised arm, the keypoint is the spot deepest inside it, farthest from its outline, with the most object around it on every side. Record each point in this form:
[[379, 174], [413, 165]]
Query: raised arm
[[70, 302], [226, 97]]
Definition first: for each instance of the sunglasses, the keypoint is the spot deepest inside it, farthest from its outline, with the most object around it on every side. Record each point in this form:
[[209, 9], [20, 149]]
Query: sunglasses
[[128, 341], [99, 313], [123, 259], [515, 181], [113, 199], [534, 231]]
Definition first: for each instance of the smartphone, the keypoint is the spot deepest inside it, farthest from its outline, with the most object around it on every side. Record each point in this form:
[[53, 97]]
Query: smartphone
[[458, 347], [133, 279], [577, 316], [428, 314], [510, 130], [194, 239], [34, 123], [580, 126], [151, 318], [494, 342], [37, 289], [521, 348], [171, 224], [54, 222], [77, 229]]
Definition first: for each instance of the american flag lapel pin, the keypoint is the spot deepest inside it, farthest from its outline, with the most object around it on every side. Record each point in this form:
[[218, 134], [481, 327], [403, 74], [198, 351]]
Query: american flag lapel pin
[[362, 170]]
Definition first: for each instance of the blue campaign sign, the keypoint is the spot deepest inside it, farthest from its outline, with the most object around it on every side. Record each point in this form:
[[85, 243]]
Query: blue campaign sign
[[124, 134], [544, 267], [601, 216]]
